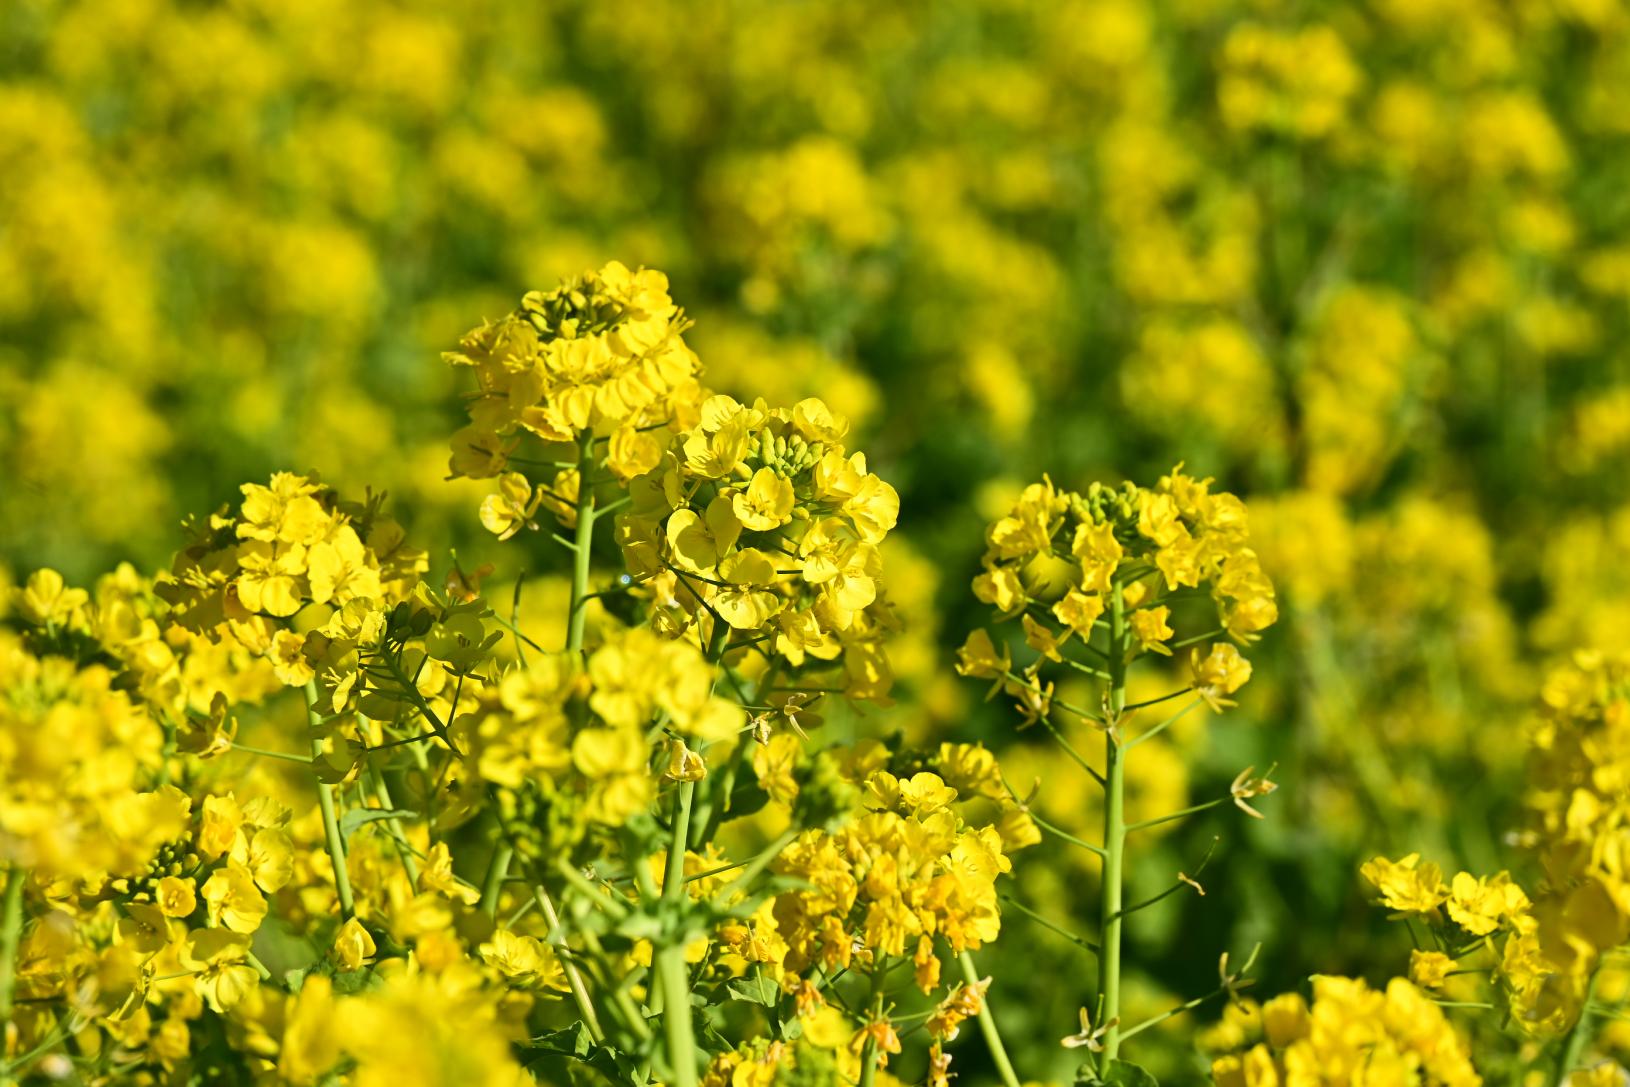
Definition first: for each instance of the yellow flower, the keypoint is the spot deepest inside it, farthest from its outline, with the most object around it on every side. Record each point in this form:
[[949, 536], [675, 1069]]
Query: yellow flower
[[979, 658], [287, 656], [285, 511], [1099, 552], [925, 792], [1480, 905], [607, 752], [218, 960], [1220, 672], [513, 506], [1000, 586], [353, 946], [1285, 1019], [632, 452], [699, 541], [523, 961], [1079, 611], [268, 855], [747, 603], [1429, 969], [766, 503], [430, 1029], [1041, 639], [175, 896], [233, 899], [221, 818], [46, 599], [1406, 885], [340, 568], [310, 1046], [1150, 628], [436, 874], [270, 577]]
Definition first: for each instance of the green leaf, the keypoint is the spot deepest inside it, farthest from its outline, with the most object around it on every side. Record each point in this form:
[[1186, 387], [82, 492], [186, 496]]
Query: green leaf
[[355, 981], [756, 988], [557, 1054], [745, 799], [356, 818], [1117, 1073], [573, 1041]]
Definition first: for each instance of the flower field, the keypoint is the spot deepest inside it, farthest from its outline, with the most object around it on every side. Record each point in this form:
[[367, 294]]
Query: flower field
[[815, 543]]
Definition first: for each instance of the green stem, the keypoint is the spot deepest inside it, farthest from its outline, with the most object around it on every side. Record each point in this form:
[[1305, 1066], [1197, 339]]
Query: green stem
[[987, 1025], [1574, 1045], [576, 617], [868, 1049], [751, 869], [492, 887], [581, 552], [574, 977], [1156, 1020], [672, 973], [1194, 809], [260, 967], [673, 977], [621, 1002], [394, 826], [286, 756], [1079, 941], [331, 821], [1109, 956], [11, 931], [868, 1063]]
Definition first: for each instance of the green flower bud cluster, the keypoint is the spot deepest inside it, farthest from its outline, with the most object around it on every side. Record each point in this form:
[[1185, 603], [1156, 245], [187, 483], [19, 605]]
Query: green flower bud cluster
[[787, 453]]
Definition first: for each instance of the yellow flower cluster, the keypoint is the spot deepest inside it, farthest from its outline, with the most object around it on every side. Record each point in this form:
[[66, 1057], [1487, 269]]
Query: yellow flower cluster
[[80, 762], [1551, 950], [292, 544], [574, 738], [760, 521], [602, 352], [888, 884], [1349, 1033], [432, 1028], [1066, 551], [1062, 562]]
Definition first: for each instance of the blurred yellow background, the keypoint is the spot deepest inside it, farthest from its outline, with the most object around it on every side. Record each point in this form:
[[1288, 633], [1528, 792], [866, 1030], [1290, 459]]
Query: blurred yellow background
[[1367, 263]]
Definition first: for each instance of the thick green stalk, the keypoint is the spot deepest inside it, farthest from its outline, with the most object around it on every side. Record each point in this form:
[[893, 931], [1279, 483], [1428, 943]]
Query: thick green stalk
[[331, 821], [1109, 956], [673, 877], [673, 977], [987, 1026], [11, 931]]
